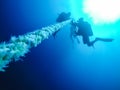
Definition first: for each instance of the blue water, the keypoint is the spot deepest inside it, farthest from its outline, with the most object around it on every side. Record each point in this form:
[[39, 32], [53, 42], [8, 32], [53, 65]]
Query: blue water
[[57, 64]]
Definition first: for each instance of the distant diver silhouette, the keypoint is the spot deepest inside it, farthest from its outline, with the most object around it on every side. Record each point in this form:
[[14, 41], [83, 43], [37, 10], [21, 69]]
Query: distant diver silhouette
[[62, 17], [83, 28]]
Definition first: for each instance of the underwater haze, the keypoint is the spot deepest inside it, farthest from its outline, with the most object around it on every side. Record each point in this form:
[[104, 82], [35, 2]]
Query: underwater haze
[[59, 64]]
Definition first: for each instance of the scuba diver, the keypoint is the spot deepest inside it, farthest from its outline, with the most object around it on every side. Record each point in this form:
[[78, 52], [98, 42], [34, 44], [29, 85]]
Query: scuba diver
[[62, 17], [83, 28]]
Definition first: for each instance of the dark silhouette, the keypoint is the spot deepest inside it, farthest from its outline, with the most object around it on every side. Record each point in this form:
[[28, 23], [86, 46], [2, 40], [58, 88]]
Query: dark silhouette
[[62, 17], [83, 28]]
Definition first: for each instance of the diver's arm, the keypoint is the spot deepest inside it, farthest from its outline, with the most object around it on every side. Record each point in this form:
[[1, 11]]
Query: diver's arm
[[78, 40], [71, 37], [72, 31]]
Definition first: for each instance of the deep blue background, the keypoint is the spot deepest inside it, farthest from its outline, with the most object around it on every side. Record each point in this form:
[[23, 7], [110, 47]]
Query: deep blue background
[[56, 64]]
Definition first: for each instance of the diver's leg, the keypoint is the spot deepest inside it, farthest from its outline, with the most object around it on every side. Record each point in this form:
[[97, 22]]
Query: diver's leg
[[86, 40]]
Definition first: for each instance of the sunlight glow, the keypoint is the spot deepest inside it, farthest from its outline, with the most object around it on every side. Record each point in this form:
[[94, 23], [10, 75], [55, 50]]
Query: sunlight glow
[[102, 11]]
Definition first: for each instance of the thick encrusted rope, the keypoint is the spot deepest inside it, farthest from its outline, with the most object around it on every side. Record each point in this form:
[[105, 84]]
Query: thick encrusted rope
[[19, 46]]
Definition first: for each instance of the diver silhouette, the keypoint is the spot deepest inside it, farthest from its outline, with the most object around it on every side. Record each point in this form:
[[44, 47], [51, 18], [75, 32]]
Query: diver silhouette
[[83, 28], [62, 17]]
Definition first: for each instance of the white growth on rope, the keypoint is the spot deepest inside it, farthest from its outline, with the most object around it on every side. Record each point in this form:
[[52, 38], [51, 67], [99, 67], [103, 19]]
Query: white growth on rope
[[19, 46]]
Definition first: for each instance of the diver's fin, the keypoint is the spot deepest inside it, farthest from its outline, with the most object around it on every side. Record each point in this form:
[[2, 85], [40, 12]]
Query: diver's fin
[[55, 33], [104, 39], [100, 39]]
